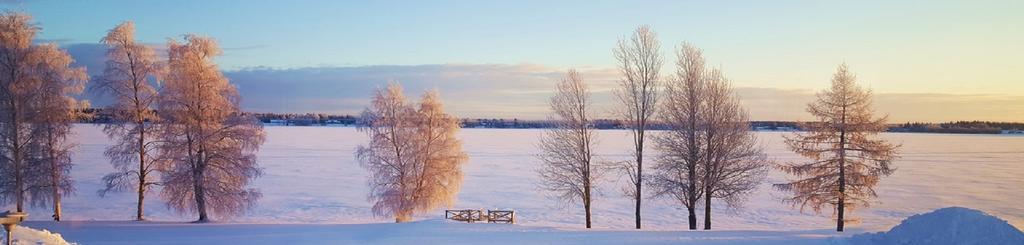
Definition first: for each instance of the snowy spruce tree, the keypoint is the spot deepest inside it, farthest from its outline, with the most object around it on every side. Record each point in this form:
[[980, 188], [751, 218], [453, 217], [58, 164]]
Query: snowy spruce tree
[[414, 157], [209, 143], [639, 65], [36, 109], [134, 127], [568, 168], [845, 160]]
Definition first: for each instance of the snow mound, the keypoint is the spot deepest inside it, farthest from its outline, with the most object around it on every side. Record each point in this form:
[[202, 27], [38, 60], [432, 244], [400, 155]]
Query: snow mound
[[952, 225], [29, 236]]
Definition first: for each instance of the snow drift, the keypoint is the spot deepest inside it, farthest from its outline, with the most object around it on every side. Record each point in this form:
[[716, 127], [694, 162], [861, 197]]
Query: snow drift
[[953, 225], [25, 235]]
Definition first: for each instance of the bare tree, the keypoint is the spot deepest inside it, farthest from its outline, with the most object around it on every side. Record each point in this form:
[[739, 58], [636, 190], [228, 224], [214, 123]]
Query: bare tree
[[130, 66], [846, 163], [710, 151], [210, 143], [569, 170], [35, 80], [414, 157], [676, 172], [733, 164], [639, 64]]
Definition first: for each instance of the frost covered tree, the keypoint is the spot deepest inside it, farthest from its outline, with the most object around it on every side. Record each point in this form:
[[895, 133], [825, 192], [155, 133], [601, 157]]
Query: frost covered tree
[[35, 83], [846, 162], [676, 172], [210, 143], [709, 151], [568, 166], [51, 126], [134, 124], [733, 164], [639, 64], [414, 157]]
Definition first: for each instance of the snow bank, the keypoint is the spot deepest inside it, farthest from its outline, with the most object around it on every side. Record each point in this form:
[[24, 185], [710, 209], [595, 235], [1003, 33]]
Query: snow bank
[[29, 236], [953, 225]]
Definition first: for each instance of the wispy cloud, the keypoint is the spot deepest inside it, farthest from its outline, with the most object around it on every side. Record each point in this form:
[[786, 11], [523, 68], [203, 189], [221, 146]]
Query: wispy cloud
[[523, 90]]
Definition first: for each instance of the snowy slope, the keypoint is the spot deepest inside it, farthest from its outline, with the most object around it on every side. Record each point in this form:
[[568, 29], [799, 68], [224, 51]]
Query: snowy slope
[[26, 235], [311, 178]]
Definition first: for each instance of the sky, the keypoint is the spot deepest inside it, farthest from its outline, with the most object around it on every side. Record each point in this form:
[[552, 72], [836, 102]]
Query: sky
[[924, 60]]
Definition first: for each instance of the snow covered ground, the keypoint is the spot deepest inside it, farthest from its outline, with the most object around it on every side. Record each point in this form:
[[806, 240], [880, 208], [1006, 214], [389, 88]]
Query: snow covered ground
[[312, 185], [947, 226], [420, 232], [24, 235]]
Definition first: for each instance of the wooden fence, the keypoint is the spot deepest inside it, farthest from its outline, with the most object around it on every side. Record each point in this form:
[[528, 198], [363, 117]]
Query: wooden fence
[[471, 216], [465, 215], [501, 216]]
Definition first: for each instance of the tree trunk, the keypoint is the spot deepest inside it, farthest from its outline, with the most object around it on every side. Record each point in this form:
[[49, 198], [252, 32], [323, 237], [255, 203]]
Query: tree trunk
[[586, 207], [692, 217], [142, 197], [693, 199], [841, 208], [55, 182], [200, 191], [19, 179], [19, 172], [707, 209], [403, 216], [56, 204], [639, 175], [586, 198], [638, 180], [142, 170]]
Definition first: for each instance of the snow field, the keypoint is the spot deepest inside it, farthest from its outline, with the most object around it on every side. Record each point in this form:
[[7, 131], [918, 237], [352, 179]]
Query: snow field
[[311, 178]]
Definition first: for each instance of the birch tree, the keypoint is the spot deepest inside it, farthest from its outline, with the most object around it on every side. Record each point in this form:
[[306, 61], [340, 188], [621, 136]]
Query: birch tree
[[676, 172], [733, 164], [414, 157], [568, 168], [50, 149], [709, 150], [210, 143], [127, 78], [845, 160], [639, 65], [35, 80]]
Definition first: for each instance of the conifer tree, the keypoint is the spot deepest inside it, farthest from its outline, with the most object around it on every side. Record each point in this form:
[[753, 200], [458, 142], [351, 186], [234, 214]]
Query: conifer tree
[[845, 160]]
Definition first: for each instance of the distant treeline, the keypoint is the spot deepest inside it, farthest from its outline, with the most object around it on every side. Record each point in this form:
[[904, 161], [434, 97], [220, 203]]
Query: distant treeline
[[94, 115], [961, 127], [97, 115]]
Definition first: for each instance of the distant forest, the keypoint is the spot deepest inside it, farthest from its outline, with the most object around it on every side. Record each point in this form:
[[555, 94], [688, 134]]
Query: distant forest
[[94, 115]]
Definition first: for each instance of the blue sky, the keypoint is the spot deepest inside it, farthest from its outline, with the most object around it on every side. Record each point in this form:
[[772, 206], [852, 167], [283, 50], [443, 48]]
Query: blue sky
[[963, 50]]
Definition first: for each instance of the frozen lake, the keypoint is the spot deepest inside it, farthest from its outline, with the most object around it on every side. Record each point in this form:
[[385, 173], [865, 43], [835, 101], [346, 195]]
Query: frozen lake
[[312, 177]]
